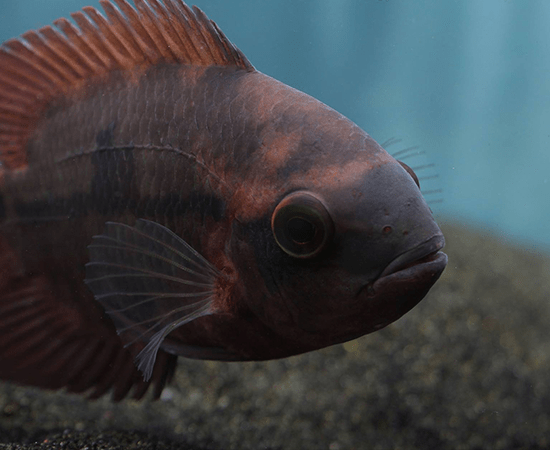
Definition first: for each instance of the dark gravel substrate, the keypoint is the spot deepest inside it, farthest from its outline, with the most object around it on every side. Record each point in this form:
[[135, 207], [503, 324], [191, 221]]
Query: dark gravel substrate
[[468, 368]]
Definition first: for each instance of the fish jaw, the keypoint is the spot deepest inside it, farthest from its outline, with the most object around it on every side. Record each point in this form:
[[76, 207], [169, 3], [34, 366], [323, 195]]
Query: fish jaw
[[406, 281], [387, 299], [376, 304]]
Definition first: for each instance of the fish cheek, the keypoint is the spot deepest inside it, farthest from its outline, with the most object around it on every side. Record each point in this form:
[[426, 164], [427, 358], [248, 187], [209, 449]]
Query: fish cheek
[[302, 299], [263, 271], [362, 253]]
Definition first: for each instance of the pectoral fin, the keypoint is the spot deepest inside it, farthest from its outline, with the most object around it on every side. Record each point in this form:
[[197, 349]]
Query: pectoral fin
[[149, 281]]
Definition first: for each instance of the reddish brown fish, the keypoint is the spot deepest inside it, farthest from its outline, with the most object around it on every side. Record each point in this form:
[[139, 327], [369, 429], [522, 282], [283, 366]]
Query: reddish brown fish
[[161, 197]]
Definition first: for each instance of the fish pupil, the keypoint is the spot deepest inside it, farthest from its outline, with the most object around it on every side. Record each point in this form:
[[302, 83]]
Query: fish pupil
[[300, 230]]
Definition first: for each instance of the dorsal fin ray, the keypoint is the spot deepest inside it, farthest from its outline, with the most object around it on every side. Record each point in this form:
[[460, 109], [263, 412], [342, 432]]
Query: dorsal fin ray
[[56, 60]]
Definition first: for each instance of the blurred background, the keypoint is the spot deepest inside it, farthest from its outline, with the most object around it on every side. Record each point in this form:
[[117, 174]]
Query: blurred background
[[465, 81]]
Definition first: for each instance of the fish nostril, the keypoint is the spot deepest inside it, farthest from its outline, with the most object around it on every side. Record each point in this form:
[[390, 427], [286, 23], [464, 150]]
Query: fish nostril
[[387, 229]]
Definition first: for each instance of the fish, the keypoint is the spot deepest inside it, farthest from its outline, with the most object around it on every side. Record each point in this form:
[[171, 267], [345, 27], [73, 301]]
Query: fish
[[162, 198]]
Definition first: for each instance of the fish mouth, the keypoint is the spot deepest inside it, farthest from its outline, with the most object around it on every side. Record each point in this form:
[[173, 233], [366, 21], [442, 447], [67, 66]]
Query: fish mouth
[[418, 258], [402, 284]]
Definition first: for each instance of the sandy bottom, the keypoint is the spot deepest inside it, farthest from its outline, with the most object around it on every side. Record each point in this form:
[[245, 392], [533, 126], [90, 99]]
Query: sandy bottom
[[468, 368]]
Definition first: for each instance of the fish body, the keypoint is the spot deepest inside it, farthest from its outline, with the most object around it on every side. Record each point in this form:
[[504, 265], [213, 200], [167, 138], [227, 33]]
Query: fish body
[[175, 201]]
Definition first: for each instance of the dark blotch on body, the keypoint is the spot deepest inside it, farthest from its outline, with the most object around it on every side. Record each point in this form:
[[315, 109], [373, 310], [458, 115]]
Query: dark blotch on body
[[112, 183]]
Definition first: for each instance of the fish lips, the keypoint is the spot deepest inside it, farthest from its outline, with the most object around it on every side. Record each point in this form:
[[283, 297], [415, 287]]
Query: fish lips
[[418, 259], [406, 280]]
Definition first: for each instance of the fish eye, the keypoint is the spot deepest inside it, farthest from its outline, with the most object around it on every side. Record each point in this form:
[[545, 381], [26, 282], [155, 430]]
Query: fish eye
[[301, 225], [410, 172]]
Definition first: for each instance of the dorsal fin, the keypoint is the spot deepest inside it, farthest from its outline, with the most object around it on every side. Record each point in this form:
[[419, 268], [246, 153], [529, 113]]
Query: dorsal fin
[[53, 61]]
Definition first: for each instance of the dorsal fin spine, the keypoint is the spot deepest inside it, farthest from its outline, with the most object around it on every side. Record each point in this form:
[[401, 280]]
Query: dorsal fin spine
[[14, 92], [207, 32], [156, 35], [75, 40], [16, 96], [191, 23], [208, 55], [169, 33], [49, 56], [86, 49], [185, 39], [28, 83], [63, 49], [44, 52], [13, 109], [131, 40], [119, 50], [148, 44], [227, 49], [28, 62], [102, 47]]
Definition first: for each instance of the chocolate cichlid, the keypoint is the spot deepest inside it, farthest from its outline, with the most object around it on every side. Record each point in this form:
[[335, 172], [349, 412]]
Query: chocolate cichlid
[[159, 197]]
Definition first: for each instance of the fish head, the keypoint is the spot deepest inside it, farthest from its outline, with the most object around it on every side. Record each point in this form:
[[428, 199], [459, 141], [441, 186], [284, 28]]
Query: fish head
[[349, 252]]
